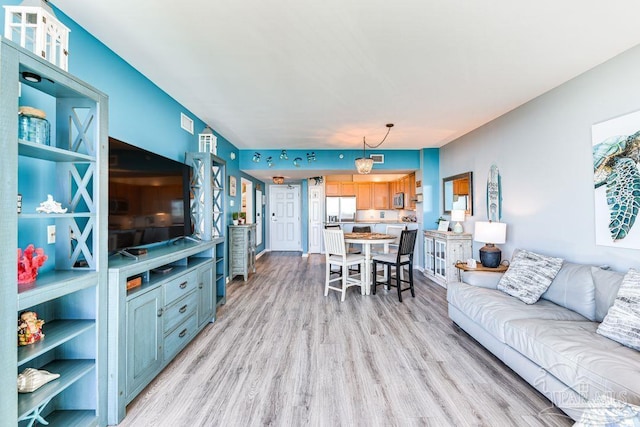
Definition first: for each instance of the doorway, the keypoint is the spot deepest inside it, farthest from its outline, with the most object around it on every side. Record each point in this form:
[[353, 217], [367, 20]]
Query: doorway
[[316, 218], [247, 199], [284, 216]]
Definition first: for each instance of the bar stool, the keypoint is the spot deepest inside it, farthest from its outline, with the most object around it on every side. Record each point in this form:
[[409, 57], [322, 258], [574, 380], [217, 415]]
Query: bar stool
[[403, 257]]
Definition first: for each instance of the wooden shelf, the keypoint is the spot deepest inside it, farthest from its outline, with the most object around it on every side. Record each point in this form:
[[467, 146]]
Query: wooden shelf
[[54, 284], [47, 152], [70, 371], [72, 418], [54, 216], [56, 333]]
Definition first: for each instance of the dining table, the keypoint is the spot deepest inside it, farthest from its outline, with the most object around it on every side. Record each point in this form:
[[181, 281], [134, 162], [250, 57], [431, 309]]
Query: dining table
[[367, 240]]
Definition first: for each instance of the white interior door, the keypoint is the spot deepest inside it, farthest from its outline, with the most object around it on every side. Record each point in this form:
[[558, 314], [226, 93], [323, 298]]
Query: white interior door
[[258, 217], [284, 215], [316, 218]]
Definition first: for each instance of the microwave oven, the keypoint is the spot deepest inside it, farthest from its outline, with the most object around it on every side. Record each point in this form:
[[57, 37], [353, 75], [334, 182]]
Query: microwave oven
[[398, 201]]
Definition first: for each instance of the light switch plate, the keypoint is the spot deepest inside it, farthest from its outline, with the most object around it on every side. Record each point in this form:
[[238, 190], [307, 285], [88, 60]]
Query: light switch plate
[[51, 233]]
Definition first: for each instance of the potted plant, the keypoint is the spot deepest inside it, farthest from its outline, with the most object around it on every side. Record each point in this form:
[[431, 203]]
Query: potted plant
[[243, 218], [235, 218]]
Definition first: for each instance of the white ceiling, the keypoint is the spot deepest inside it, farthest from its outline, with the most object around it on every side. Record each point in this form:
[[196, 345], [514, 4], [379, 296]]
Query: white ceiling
[[323, 74]]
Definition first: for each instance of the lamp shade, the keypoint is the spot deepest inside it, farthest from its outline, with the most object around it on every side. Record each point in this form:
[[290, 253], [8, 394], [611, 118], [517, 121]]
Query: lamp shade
[[364, 165], [457, 215], [490, 232]]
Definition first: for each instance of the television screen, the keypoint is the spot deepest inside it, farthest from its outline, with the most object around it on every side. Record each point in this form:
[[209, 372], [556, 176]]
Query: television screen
[[148, 197]]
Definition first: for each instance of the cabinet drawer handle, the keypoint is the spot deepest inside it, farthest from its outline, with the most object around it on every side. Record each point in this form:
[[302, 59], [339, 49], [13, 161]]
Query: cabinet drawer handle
[[160, 311], [183, 285], [183, 333], [183, 308], [201, 285]]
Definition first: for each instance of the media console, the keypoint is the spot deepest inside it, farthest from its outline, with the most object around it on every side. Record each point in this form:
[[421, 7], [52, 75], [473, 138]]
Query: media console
[[150, 323]]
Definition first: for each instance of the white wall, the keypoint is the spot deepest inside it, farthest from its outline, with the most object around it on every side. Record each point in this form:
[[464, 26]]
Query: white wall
[[543, 151]]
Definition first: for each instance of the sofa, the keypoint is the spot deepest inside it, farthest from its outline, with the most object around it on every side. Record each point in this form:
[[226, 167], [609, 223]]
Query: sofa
[[552, 343]]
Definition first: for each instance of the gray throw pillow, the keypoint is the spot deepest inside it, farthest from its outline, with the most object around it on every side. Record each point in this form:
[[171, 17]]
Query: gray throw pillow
[[529, 275], [622, 323]]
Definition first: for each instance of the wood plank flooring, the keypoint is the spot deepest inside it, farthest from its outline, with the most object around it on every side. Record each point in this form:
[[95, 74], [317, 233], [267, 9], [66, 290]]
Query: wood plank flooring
[[281, 354]]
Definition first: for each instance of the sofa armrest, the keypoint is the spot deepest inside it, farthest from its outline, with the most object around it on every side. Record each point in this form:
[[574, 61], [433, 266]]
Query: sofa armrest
[[481, 279]]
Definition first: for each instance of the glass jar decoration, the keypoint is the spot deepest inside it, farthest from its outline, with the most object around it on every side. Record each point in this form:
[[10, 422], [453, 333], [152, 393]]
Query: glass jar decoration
[[33, 126], [33, 25]]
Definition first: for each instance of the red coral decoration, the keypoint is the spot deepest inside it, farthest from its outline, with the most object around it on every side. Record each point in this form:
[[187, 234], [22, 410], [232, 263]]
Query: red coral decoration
[[28, 264]]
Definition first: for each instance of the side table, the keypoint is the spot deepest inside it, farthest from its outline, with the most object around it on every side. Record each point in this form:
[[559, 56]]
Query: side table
[[462, 266]]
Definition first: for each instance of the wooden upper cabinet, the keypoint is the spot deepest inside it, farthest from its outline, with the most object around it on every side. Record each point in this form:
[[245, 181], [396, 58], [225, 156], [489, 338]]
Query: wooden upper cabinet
[[380, 195], [363, 198], [348, 189], [332, 188], [461, 187], [411, 191]]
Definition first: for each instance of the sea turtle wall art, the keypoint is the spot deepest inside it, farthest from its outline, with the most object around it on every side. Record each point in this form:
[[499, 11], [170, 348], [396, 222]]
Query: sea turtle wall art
[[616, 181]]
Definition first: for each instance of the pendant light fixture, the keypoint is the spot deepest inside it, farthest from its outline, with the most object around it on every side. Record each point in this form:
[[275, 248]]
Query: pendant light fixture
[[364, 164]]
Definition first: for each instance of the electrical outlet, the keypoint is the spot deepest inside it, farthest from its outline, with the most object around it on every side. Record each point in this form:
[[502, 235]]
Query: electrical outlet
[[51, 233]]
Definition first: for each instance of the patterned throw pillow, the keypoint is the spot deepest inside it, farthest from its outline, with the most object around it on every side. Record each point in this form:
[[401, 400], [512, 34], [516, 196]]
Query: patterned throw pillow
[[529, 275], [622, 322], [607, 411]]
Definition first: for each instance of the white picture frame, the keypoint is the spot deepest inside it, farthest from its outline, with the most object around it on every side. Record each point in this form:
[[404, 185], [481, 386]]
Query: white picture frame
[[443, 225]]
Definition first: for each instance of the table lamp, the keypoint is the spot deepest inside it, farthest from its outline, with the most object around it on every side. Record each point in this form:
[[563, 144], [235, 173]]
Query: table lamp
[[457, 216], [490, 233]]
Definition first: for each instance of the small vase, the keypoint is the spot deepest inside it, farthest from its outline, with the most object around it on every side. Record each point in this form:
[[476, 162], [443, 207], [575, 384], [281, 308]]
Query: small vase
[[235, 222]]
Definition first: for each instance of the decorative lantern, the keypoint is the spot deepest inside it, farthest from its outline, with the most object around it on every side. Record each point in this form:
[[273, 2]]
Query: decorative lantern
[[208, 141], [33, 26]]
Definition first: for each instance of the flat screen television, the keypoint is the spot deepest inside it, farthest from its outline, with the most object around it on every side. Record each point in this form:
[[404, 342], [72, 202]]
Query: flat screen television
[[148, 197]]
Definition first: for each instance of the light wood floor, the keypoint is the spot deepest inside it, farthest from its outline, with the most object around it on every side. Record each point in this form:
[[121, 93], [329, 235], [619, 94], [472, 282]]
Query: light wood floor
[[281, 354]]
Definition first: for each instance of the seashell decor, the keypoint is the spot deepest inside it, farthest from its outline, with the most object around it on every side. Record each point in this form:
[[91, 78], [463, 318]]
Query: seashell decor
[[32, 379]]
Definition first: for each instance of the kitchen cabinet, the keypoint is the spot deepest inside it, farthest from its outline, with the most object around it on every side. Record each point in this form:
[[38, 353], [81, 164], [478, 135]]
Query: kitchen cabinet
[[461, 187], [348, 189], [332, 189], [410, 197], [380, 195], [363, 198]]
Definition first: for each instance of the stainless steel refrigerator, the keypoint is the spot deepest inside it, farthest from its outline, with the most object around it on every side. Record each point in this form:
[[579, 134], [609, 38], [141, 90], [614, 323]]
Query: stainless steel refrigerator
[[341, 209]]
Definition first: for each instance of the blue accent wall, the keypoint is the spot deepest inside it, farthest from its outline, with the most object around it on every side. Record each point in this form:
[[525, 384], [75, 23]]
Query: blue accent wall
[[431, 188]]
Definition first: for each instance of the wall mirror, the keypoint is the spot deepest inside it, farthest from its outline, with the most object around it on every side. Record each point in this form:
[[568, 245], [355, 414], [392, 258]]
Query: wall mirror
[[457, 193]]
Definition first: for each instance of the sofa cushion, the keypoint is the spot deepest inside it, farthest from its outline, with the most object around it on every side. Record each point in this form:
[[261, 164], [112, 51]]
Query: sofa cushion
[[573, 288], [622, 322], [575, 354], [483, 279], [529, 275], [491, 309], [607, 283]]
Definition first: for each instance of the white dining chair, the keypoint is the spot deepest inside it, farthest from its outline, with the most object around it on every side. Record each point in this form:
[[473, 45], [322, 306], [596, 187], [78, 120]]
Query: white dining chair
[[336, 254], [395, 230]]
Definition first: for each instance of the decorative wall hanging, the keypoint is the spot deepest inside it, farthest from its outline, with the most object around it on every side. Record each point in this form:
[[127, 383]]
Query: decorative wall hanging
[[494, 194], [616, 153], [232, 186]]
